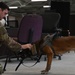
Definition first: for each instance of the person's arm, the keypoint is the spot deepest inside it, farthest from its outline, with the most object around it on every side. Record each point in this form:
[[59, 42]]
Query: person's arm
[[8, 41]]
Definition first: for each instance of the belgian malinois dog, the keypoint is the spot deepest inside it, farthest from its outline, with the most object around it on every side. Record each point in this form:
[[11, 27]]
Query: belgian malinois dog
[[60, 45]]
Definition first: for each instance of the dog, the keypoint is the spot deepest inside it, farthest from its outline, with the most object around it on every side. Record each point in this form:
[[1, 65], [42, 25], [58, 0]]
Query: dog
[[60, 45]]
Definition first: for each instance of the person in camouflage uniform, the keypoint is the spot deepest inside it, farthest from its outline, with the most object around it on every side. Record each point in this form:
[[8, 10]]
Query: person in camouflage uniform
[[4, 38]]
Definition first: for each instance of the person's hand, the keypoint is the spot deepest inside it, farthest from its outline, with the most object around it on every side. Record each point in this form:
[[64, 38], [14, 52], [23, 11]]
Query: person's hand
[[27, 46]]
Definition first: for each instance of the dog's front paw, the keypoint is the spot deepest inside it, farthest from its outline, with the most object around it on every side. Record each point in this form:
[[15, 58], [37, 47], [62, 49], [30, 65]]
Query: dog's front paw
[[44, 72]]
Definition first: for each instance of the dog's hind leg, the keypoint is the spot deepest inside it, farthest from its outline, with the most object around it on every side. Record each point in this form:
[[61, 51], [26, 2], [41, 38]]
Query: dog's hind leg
[[49, 54]]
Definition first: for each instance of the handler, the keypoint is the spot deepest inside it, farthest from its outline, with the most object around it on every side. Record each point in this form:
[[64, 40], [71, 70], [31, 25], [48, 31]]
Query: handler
[[4, 38]]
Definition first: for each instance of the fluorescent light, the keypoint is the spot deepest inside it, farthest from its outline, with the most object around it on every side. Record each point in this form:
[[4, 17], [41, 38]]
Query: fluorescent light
[[13, 7], [46, 6], [37, 0]]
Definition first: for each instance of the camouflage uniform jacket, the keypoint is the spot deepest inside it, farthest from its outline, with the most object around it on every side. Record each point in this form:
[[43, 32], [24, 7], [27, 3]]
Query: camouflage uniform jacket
[[8, 41]]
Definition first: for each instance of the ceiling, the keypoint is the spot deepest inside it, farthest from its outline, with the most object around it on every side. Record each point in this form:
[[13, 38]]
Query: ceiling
[[28, 6]]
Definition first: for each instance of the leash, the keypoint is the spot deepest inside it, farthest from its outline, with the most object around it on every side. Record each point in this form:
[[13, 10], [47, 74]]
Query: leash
[[38, 59], [21, 62]]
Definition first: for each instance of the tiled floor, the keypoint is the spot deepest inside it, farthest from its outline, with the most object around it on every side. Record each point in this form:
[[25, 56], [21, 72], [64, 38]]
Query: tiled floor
[[66, 66]]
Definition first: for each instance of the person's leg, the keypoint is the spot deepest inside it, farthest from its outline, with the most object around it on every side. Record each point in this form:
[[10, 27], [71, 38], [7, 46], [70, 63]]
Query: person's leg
[[1, 69]]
